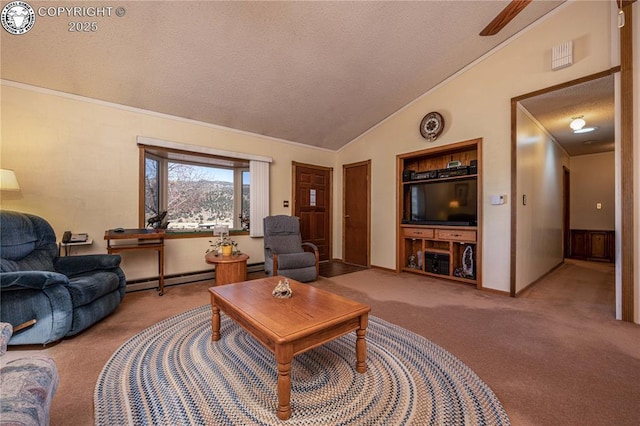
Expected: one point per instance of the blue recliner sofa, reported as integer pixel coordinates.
(65, 295)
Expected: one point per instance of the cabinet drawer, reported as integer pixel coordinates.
(418, 233)
(455, 235)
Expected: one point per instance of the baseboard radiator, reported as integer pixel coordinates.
(184, 278)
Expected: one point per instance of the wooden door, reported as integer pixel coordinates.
(356, 203)
(579, 244)
(599, 245)
(566, 212)
(312, 204)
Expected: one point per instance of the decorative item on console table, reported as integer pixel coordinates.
(159, 221)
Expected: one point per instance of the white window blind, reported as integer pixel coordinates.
(259, 196)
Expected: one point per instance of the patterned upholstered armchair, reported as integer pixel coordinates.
(284, 251)
(28, 384)
(64, 295)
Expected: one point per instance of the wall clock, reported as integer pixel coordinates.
(431, 126)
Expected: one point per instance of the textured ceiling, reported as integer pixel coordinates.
(593, 101)
(317, 73)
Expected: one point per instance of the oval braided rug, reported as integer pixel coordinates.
(173, 374)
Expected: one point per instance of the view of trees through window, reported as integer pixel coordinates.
(196, 196)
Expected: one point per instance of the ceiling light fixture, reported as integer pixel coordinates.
(577, 123)
(586, 129)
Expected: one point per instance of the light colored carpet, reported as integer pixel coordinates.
(555, 359)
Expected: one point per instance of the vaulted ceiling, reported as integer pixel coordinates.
(317, 73)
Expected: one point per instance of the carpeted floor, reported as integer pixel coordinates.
(550, 358)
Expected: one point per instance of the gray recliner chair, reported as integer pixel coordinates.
(284, 251)
(64, 295)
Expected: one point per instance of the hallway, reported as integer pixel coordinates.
(584, 286)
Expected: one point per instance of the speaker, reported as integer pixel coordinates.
(473, 167)
(437, 263)
(407, 175)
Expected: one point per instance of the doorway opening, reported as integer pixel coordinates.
(563, 183)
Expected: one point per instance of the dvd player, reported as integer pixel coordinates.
(453, 171)
(431, 174)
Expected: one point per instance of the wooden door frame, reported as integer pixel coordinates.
(566, 212)
(514, 160)
(294, 202)
(344, 167)
(626, 230)
(627, 215)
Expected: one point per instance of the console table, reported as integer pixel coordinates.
(146, 239)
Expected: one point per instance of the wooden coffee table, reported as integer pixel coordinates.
(287, 327)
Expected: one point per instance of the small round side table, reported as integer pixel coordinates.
(229, 269)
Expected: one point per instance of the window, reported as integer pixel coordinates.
(197, 191)
(200, 186)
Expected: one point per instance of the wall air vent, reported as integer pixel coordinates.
(562, 56)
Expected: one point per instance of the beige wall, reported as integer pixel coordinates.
(540, 222)
(77, 164)
(476, 103)
(592, 182)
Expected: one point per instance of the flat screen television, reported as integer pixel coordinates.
(451, 202)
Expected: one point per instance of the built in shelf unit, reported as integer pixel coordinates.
(446, 250)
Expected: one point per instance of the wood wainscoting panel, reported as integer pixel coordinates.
(591, 244)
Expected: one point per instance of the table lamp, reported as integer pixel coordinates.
(8, 180)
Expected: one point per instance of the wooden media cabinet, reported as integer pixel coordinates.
(439, 212)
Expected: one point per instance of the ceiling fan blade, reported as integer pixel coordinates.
(504, 17)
